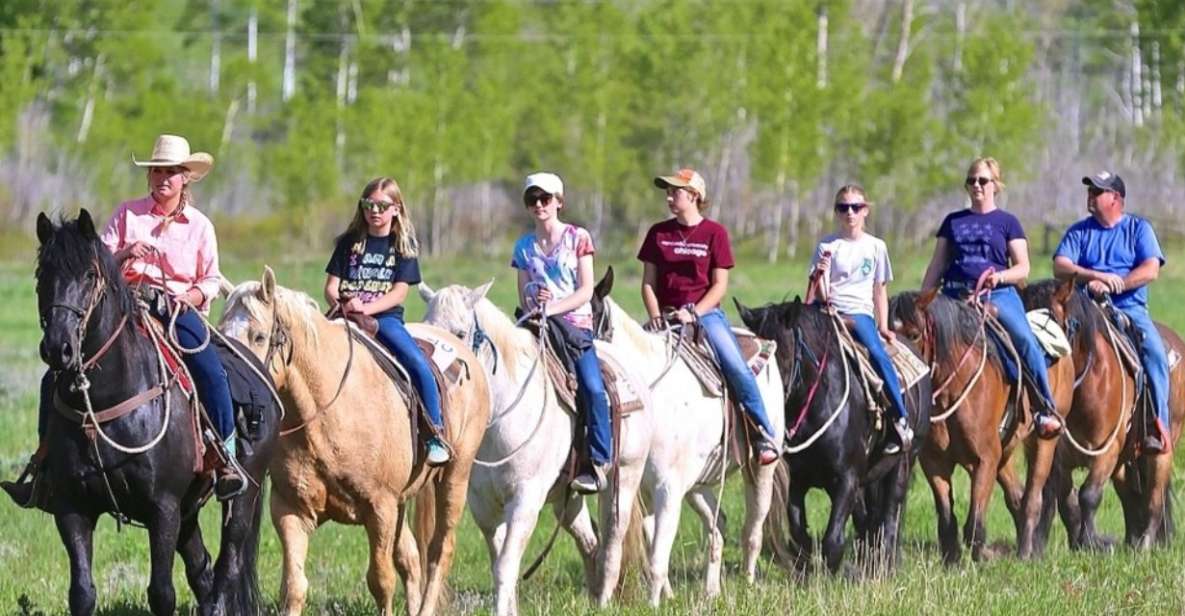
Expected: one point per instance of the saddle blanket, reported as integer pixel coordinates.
(699, 358)
(1051, 336)
(623, 396)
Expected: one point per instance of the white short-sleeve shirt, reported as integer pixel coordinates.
(856, 265)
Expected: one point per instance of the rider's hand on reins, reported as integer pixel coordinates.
(655, 324)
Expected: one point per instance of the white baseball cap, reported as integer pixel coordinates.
(549, 183)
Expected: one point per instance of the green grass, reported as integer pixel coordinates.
(33, 564)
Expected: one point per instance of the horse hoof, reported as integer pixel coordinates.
(1101, 543)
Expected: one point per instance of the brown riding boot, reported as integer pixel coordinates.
(1156, 441)
(28, 491)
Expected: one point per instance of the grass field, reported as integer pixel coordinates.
(34, 573)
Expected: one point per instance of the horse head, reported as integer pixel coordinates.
(603, 327)
(75, 273)
(907, 314)
(265, 317)
(454, 308)
(777, 322)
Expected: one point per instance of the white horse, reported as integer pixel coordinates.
(520, 464)
(686, 455)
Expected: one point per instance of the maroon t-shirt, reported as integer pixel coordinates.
(685, 258)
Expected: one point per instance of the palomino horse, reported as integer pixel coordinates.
(835, 445)
(522, 457)
(346, 452)
(980, 420)
(690, 451)
(1099, 426)
(138, 466)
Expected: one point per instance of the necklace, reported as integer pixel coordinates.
(683, 237)
(546, 244)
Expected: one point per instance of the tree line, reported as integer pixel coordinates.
(777, 102)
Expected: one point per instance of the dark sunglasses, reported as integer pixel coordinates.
(980, 181)
(855, 208)
(374, 206)
(531, 199)
(1095, 191)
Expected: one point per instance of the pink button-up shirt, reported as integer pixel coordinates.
(186, 254)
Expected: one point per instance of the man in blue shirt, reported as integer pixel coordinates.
(1117, 253)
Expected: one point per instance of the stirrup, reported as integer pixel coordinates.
(438, 452)
(591, 481)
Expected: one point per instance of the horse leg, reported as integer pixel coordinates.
(648, 522)
(1014, 494)
(407, 565)
(975, 534)
(236, 588)
(450, 506)
(197, 560)
(667, 509)
(758, 495)
(163, 529)
(1030, 541)
(522, 514)
(938, 472)
(77, 532)
(294, 531)
(704, 503)
(800, 537)
(382, 523)
(893, 494)
(1067, 504)
(843, 494)
(1154, 502)
(572, 513)
(1129, 500)
(612, 545)
(1089, 497)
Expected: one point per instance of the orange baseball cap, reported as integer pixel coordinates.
(684, 178)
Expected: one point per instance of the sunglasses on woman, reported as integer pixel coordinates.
(541, 198)
(375, 206)
(844, 208)
(981, 181)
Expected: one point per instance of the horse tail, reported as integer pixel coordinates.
(635, 561)
(777, 523)
(425, 528)
(247, 597)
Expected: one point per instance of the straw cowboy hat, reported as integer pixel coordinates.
(171, 150)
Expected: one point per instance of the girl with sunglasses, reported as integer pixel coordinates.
(373, 265)
(851, 269)
(555, 278)
(984, 238)
(685, 262)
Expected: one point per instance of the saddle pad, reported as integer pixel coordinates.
(441, 353)
(1174, 358)
(1049, 333)
(910, 367)
(756, 352)
(623, 398)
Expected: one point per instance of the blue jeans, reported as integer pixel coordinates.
(865, 333)
(394, 335)
(1154, 358)
(206, 368)
(736, 372)
(591, 389)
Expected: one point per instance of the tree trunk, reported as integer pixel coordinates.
(252, 54)
(215, 47)
(1136, 82)
(821, 49)
(903, 43)
(88, 110)
(289, 81)
(960, 33)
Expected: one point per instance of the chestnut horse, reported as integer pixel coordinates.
(1099, 428)
(980, 419)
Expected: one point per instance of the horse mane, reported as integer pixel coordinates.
(956, 324)
(1087, 321)
(293, 308)
(70, 252)
(510, 340)
(624, 324)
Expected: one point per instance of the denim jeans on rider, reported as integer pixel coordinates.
(865, 332)
(206, 367)
(1154, 358)
(396, 338)
(1011, 314)
(591, 389)
(736, 372)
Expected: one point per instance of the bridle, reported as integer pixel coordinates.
(97, 293)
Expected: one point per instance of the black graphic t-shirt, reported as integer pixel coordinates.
(372, 273)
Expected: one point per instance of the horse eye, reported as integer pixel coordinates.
(259, 338)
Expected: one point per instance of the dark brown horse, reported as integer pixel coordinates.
(1099, 428)
(979, 420)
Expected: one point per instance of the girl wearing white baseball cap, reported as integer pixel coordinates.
(555, 278)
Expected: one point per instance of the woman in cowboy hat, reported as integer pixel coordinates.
(168, 248)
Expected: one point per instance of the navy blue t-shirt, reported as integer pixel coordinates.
(1115, 250)
(370, 274)
(978, 242)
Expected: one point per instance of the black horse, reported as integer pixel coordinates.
(97, 348)
(846, 460)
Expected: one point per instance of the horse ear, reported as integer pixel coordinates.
(86, 225)
(426, 292)
(926, 298)
(267, 287)
(478, 293)
(225, 287)
(746, 314)
(44, 228)
(605, 285)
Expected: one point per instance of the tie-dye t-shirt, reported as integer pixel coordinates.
(556, 269)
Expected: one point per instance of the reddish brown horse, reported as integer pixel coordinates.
(979, 420)
(1099, 428)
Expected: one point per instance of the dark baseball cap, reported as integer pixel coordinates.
(1105, 180)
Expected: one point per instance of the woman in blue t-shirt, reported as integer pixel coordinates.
(981, 238)
(373, 264)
